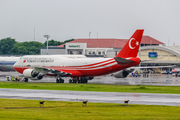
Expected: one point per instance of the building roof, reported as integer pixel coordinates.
(150, 40)
(111, 43)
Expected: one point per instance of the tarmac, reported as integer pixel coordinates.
(153, 79)
(105, 97)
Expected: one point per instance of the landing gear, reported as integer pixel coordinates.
(59, 80)
(25, 79)
(70, 80)
(76, 80)
(83, 80)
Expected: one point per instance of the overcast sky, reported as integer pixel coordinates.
(66, 19)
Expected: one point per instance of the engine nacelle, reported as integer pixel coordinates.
(34, 73)
(121, 74)
(39, 76)
(89, 78)
(30, 73)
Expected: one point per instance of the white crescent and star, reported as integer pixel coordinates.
(137, 43)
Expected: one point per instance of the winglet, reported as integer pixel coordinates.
(131, 48)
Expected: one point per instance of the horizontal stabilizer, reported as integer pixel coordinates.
(122, 60)
(170, 66)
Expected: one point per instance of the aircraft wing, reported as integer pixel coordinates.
(44, 71)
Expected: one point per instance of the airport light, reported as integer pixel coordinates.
(47, 36)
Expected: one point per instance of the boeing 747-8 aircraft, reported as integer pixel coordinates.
(80, 69)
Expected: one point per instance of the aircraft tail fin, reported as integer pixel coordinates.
(131, 48)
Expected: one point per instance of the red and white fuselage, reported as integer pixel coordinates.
(76, 66)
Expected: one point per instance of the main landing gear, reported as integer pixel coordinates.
(76, 80)
(59, 80)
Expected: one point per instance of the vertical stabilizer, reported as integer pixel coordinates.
(131, 48)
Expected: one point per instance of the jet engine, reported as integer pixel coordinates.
(39, 76)
(121, 74)
(30, 73)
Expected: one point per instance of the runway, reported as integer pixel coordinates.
(104, 97)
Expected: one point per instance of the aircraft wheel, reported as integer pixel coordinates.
(70, 80)
(57, 80)
(61, 81)
(74, 80)
(25, 79)
(85, 81)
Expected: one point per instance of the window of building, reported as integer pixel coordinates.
(89, 52)
(103, 52)
(99, 52)
(93, 52)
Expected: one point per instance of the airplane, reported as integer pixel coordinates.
(79, 69)
(6, 63)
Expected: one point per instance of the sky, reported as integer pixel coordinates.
(28, 20)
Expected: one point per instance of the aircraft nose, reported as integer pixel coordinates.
(17, 68)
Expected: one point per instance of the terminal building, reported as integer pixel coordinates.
(150, 49)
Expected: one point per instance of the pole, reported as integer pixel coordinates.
(47, 36)
(34, 33)
(47, 47)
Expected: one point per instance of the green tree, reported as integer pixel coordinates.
(6, 45)
(9, 46)
(56, 43)
(66, 41)
(27, 48)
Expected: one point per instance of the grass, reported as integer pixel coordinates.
(13, 109)
(93, 87)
